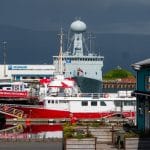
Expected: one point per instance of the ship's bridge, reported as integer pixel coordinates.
(81, 65)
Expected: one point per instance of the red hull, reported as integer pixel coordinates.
(31, 112)
(42, 113)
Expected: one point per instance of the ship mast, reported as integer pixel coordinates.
(90, 38)
(60, 53)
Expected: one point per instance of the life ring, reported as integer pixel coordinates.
(106, 95)
(78, 95)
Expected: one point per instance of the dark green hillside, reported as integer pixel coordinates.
(117, 73)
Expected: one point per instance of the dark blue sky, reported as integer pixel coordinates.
(106, 16)
(30, 27)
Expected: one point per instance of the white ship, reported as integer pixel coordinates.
(79, 62)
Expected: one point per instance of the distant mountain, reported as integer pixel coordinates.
(27, 46)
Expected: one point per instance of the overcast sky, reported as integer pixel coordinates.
(104, 16)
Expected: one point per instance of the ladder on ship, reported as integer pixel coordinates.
(9, 110)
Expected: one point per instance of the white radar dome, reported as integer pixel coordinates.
(78, 26)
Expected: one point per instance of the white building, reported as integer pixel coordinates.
(26, 72)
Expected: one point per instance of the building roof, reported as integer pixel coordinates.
(142, 93)
(141, 64)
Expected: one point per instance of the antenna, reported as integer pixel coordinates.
(68, 41)
(90, 38)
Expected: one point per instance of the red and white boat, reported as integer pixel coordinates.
(13, 90)
(17, 92)
(63, 100)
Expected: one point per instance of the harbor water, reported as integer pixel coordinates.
(31, 136)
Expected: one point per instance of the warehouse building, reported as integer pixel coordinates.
(25, 72)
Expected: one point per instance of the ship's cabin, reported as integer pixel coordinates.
(15, 86)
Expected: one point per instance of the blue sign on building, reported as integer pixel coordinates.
(17, 67)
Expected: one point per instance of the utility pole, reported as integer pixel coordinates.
(4, 57)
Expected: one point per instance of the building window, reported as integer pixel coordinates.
(93, 103)
(147, 83)
(84, 103)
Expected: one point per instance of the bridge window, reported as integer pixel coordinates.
(117, 103)
(62, 101)
(93, 103)
(129, 103)
(102, 103)
(4, 85)
(84, 103)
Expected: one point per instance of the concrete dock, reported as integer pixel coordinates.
(28, 145)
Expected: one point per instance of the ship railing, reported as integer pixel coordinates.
(33, 93)
(93, 95)
(104, 95)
